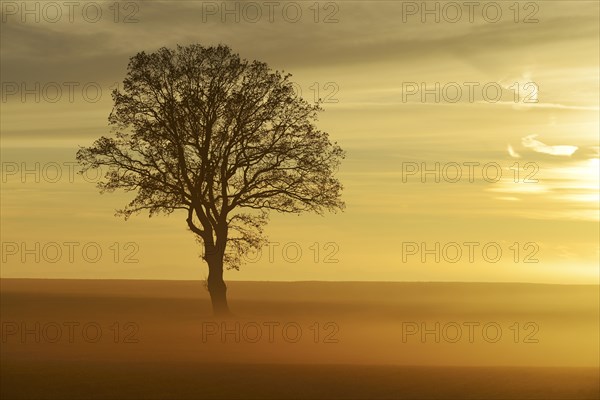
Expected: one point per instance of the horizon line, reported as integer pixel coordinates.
(302, 281)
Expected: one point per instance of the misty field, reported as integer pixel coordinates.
(157, 339)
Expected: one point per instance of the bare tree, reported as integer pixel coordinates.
(227, 140)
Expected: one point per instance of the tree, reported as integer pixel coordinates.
(226, 140)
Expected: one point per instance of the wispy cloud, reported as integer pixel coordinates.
(512, 152)
(540, 147)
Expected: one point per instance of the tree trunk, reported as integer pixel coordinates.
(217, 287)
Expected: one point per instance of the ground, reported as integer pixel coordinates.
(305, 340)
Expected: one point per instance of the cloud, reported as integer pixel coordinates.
(512, 152)
(539, 147)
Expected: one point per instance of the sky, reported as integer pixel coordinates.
(472, 138)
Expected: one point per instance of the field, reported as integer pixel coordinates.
(306, 340)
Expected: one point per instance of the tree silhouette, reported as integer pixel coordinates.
(227, 140)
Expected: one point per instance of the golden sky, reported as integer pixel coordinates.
(377, 64)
